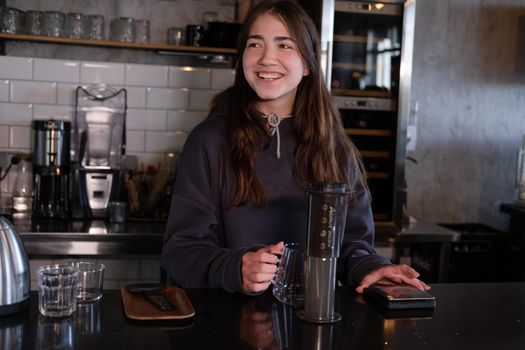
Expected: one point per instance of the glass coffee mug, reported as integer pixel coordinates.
(289, 283)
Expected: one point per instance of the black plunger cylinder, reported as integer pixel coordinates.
(327, 205)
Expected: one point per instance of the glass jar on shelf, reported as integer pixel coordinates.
(23, 187)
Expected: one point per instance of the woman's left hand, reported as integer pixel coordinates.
(395, 273)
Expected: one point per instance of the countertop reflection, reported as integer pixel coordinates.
(467, 316)
(44, 237)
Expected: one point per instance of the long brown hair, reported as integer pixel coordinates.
(324, 152)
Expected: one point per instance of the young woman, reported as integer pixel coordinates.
(240, 189)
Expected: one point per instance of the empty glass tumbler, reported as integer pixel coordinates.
(53, 23)
(23, 189)
(11, 20)
(33, 21)
(57, 290)
(90, 280)
(142, 31)
(95, 27)
(122, 29)
(75, 25)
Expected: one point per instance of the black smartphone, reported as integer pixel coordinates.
(399, 296)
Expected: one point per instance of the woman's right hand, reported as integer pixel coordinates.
(258, 268)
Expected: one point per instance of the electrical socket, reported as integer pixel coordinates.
(5, 159)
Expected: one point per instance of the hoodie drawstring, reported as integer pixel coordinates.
(273, 123)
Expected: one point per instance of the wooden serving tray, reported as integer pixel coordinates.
(137, 307)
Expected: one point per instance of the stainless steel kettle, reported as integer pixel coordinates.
(14, 271)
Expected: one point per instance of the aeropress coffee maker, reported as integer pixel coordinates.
(327, 204)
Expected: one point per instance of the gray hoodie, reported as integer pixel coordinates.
(205, 239)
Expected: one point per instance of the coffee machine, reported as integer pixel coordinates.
(99, 140)
(51, 168)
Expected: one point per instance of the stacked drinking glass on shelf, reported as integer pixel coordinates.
(128, 29)
(51, 23)
(11, 20)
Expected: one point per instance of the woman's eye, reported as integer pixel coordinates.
(287, 46)
(252, 44)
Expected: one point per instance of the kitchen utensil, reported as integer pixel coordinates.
(138, 308)
(95, 27)
(327, 204)
(57, 290)
(23, 188)
(99, 148)
(11, 20)
(288, 284)
(33, 21)
(117, 212)
(90, 280)
(14, 271)
(153, 292)
(221, 34)
(194, 34)
(142, 31)
(53, 23)
(75, 25)
(175, 36)
(51, 165)
(122, 29)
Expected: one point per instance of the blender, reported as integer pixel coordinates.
(98, 148)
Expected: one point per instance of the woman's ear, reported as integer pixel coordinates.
(306, 71)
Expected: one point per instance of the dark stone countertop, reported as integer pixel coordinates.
(467, 316)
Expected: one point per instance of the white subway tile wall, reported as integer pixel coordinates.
(33, 92)
(16, 113)
(167, 98)
(20, 137)
(145, 75)
(4, 136)
(190, 77)
(16, 68)
(101, 73)
(4, 90)
(56, 70)
(164, 102)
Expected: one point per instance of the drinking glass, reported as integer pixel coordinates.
(90, 280)
(34, 22)
(117, 212)
(95, 27)
(142, 31)
(57, 290)
(122, 29)
(53, 23)
(288, 284)
(75, 25)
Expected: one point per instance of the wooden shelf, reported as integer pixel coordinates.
(377, 175)
(356, 39)
(361, 93)
(118, 44)
(369, 132)
(380, 216)
(375, 154)
(352, 66)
